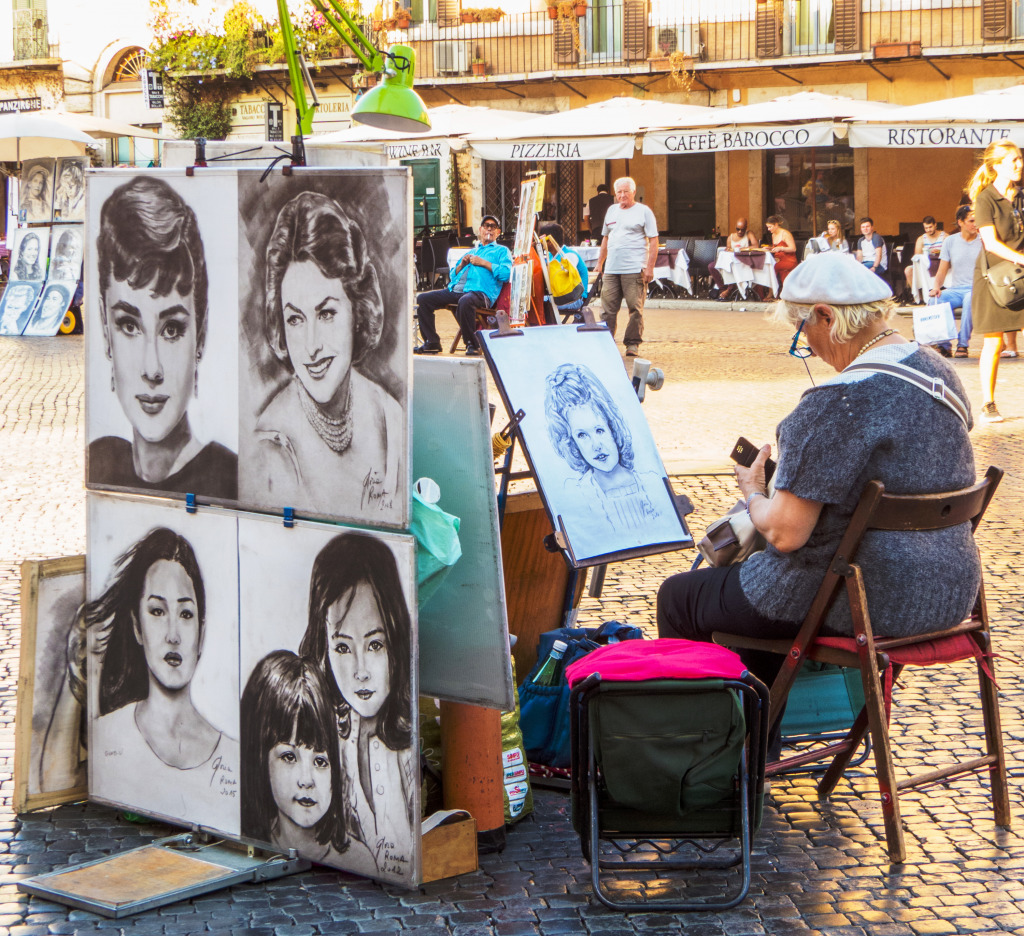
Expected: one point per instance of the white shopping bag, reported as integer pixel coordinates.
(934, 323)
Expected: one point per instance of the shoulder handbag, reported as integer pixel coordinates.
(734, 537)
(1005, 282)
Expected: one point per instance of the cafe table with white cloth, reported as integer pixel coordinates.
(922, 280)
(742, 270)
(673, 264)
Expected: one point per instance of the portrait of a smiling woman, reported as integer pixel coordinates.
(329, 432)
(154, 302)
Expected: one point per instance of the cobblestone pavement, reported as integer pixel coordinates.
(818, 867)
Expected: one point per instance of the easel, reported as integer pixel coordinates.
(549, 582)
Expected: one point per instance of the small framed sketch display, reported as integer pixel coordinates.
(162, 623)
(587, 442)
(35, 205)
(330, 762)
(264, 364)
(69, 189)
(50, 739)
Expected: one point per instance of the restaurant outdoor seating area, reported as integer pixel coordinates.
(681, 270)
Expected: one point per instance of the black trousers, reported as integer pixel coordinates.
(693, 605)
(465, 314)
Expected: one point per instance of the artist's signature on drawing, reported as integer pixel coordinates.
(222, 777)
(374, 493)
(390, 860)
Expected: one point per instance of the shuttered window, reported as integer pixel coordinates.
(634, 30)
(449, 12)
(565, 35)
(768, 29)
(846, 15)
(995, 19)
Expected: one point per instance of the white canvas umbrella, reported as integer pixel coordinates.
(31, 136)
(805, 106)
(99, 128)
(969, 122)
(448, 123)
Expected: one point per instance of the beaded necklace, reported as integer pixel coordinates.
(875, 340)
(336, 433)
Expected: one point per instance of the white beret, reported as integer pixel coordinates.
(833, 278)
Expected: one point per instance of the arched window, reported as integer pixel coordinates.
(129, 66)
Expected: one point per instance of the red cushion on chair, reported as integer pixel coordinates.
(927, 653)
(664, 658)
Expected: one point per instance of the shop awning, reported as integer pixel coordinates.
(972, 121)
(743, 137)
(792, 121)
(605, 130)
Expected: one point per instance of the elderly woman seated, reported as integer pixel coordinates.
(854, 428)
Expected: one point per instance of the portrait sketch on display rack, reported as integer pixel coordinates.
(50, 744)
(587, 441)
(50, 310)
(525, 220)
(327, 301)
(522, 290)
(69, 189)
(16, 306)
(328, 721)
(162, 625)
(28, 258)
(161, 342)
(35, 202)
(66, 253)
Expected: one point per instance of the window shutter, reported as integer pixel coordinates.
(564, 33)
(449, 12)
(768, 30)
(634, 30)
(995, 19)
(846, 15)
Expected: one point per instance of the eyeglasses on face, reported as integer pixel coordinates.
(489, 224)
(797, 349)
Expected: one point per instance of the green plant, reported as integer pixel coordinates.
(196, 109)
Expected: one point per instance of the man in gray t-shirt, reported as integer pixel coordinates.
(959, 251)
(626, 262)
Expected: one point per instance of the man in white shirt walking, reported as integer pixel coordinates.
(629, 250)
(959, 251)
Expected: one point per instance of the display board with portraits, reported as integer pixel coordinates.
(587, 442)
(302, 735)
(264, 363)
(50, 739)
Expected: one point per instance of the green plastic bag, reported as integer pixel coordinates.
(437, 539)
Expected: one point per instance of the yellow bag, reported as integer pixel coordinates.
(566, 284)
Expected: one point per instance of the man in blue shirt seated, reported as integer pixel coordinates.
(474, 284)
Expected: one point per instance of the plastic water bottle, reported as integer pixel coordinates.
(547, 675)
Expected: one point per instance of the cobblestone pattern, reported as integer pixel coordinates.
(818, 867)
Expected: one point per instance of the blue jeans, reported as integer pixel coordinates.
(959, 297)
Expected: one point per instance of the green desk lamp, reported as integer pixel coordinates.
(392, 105)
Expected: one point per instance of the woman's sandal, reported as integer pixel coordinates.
(1009, 354)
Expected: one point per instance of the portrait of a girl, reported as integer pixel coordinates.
(359, 637)
(294, 793)
(587, 430)
(154, 310)
(149, 741)
(36, 203)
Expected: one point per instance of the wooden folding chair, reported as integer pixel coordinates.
(486, 318)
(881, 659)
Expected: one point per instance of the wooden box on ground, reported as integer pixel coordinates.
(450, 849)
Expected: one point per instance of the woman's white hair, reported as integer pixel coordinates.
(847, 320)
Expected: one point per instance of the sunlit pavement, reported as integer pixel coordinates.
(818, 867)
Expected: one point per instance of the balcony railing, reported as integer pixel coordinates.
(641, 35)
